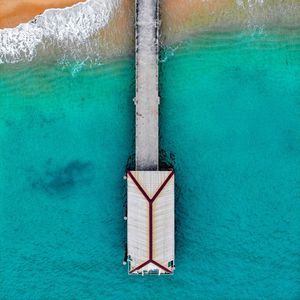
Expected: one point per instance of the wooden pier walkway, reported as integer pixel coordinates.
(147, 96)
(150, 192)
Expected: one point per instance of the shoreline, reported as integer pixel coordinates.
(114, 37)
(182, 20)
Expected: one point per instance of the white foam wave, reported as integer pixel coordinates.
(249, 3)
(56, 31)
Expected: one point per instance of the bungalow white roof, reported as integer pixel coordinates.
(150, 222)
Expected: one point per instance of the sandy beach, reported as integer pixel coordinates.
(176, 15)
(14, 12)
(182, 18)
(179, 19)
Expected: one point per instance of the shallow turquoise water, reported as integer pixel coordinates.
(230, 124)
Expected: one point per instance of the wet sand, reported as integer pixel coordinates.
(179, 18)
(176, 15)
(14, 12)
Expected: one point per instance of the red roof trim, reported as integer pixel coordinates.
(139, 186)
(161, 266)
(140, 266)
(162, 186)
(149, 262)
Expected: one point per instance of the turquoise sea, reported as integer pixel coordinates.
(230, 126)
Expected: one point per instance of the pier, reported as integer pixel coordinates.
(150, 191)
(147, 98)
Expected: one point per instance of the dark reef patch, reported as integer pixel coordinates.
(41, 120)
(65, 179)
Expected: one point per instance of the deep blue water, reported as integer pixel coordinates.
(230, 125)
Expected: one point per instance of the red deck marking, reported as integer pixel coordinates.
(162, 186)
(150, 231)
(144, 192)
(151, 200)
(148, 262)
(139, 186)
(140, 266)
(161, 266)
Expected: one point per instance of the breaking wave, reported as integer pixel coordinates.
(249, 3)
(75, 33)
(63, 32)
